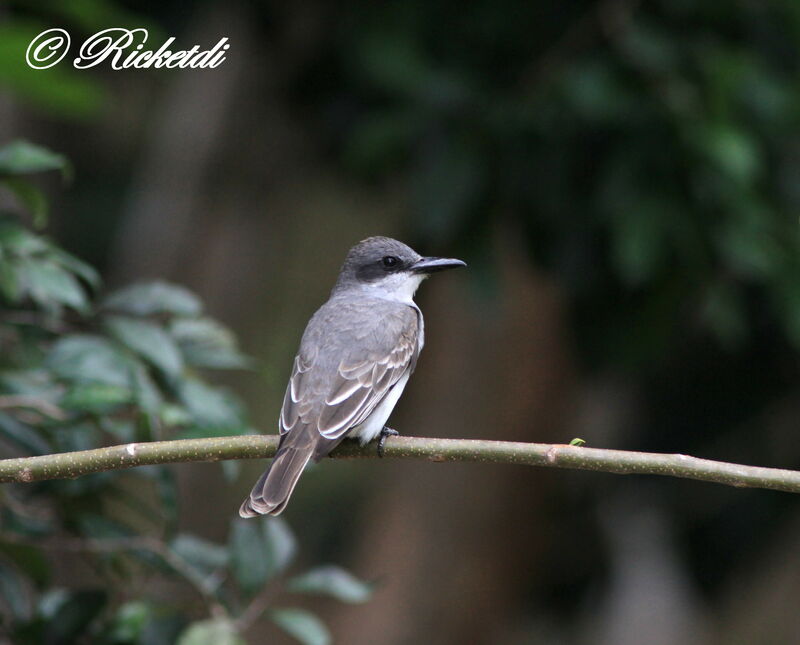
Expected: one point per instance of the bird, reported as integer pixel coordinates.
(355, 358)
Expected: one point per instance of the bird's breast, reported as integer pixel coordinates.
(371, 427)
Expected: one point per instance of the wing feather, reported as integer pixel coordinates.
(373, 382)
(345, 390)
(356, 370)
(334, 395)
(379, 371)
(335, 420)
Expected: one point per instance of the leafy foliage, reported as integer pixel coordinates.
(301, 624)
(332, 581)
(76, 375)
(644, 156)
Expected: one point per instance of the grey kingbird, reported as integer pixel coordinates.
(355, 358)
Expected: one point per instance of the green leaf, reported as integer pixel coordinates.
(149, 341)
(733, 150)
(30, 196)
(577, 441)
(216, 631)
(87, 358)
(96, 397)
(207, 343)
(332, 581)
(260, 550)
(50, 285)
(10, 285)
(145, 391)
(175, 415)
(74, 265)
(154, 298)
(129, 622)
(19, 241)
(22, 156)
(209, 406)
(202, 554)
(248, 555)
(303, 625)
(51, 600)
(281, 544)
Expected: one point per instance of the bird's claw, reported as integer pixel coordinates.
(385, 432)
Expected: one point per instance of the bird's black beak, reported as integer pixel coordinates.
(431, 265)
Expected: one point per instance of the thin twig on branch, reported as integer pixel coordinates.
(75, 464)
(33, 403)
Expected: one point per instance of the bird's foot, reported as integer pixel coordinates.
(385, 432)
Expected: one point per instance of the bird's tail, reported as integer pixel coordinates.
(273, 489)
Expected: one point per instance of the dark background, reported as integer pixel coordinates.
(622, 179)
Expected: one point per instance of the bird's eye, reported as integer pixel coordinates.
(390, 262)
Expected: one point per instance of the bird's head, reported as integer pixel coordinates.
(388, 268)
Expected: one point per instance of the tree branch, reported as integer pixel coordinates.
(75, 464)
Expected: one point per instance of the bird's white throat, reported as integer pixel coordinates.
(398, 287)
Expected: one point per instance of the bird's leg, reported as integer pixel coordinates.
(385, 432)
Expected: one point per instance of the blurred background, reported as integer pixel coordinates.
(623, 179)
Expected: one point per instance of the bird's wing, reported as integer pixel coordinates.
(333, 394)
(298, 400)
